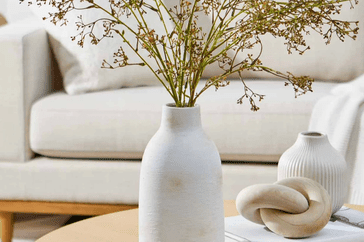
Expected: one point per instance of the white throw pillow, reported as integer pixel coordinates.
(81, 67)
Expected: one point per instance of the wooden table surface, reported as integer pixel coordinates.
(120, 226)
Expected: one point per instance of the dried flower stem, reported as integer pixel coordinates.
(182, 53)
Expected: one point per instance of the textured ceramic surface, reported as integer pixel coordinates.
(295, 207)
(180, 195)
(312, 156)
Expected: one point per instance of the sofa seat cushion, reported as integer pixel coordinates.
(112, 182)
(119, 123)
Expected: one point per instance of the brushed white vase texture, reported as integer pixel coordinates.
(180, 193)
(312, 156)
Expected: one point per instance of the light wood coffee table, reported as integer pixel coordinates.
(119, 226)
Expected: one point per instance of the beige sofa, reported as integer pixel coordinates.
(80, 154)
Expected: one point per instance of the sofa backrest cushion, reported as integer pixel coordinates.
(81, 70)
(336, 62)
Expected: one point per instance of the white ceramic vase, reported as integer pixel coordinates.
(180, 194)
(312, 156)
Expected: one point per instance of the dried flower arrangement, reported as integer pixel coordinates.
(184, 50)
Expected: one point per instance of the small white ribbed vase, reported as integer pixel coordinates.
(180, 193)
(312, 156)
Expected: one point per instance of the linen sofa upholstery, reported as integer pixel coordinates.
(25, 77)
(55, 179)
(91, 126)
(119, 123)
(89, 129)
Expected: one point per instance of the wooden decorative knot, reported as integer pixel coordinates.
(293, 207)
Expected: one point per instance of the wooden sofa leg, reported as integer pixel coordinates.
(7, 224)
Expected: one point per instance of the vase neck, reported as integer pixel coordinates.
(181, 118)
(312, 138)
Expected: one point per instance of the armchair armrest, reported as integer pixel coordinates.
(25, 62)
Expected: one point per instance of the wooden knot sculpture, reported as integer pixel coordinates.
(293, 207)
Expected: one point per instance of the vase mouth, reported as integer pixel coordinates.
(173, 105)
(313, 134)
